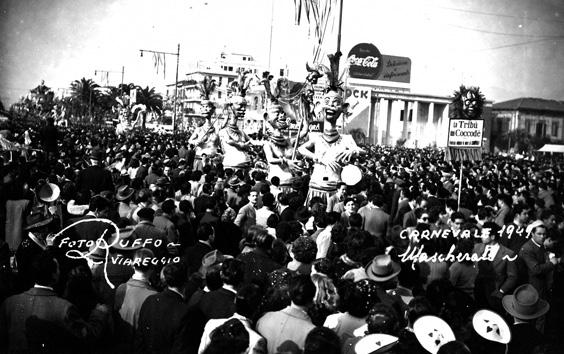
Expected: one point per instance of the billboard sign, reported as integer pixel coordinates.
(465, 133)
(396, 69)
(365, 61)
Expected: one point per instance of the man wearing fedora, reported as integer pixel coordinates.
(525, 306)
(95, 178)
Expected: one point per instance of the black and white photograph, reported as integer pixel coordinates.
(282, 176)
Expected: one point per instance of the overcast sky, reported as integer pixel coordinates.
(510, 48)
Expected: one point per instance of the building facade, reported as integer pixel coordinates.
(538, 117)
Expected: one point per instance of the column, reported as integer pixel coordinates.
(430, 128)
(444, 127)
(405, 119)
(415, 128)
(389, 120)
(373, 124)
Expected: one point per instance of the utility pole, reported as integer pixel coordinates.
(175, 83)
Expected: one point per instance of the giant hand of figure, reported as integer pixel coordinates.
(344, 156)
(294, 165)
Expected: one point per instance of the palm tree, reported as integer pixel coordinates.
(151, 100)
(84, 95)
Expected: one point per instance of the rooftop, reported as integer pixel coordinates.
(531, 104)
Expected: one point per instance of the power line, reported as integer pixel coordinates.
(498, 14)
(506, 34)
(517, 44)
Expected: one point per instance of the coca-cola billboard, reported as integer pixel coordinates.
(365, 61)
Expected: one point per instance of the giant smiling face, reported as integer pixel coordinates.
(332, 106)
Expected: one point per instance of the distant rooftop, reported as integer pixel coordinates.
(530, 104)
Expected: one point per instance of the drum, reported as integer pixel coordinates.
(351, 175)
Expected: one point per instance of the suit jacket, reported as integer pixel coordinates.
(285, 330)
(287, 214)
(503, 272)
(375, 221)
(246, 217)
(403, 208)
(257, 344)
(409, 219)
(525, 339)
(194, 255)
(95, 179)
(501, 216)
(539, 269)
(45, 305)
(162, 324)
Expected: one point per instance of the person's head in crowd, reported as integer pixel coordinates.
(295, 201)
(361, 298)
(355, 220)
(421, 201)
(464, 247)
(229, 338)
(341, 190)
(356, 245)
(451, 206)
(262, 239)
(275, 181)
(304, 250)
(99, 206)
(421, 215)
(351, 205)
(430, 189)
(457, 219)
(142, 261)
(418, 307)
(320, 220)
(79, 290)
(484, 215)
(376, 200)
(538, 234)
(383, 319)
(168, 207)
(205, 232)
(548, 218)
(322, 340)
(317, 205)
(454, 347)
(213, 277)
(504, 201)
(185, 207)
(146, 214)
(268, 200)
(232, 272)
(323, 266)
(491, 236)
(520, 214)
(253, 197)
(283, 199)
(247, 299)
(174, 275)
(264, 189)
(301, 289)
(144, 196)
(303, 214)
(272, 221)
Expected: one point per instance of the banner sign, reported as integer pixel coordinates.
(314, 127)
(465, 133)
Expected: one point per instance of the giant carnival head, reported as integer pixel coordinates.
(238, 89)
(468, 103)
(277, 117)
(206, 87)
(333, 104)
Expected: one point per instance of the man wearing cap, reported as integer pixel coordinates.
(94, 179)
(525, 306)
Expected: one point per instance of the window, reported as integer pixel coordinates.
(230, 68)
(244, 58)
(554, 131)
(281, 72)
(401, 115)
(410, 115)
(528, 126)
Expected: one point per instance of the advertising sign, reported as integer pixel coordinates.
(465, 133)
(314, 127)
(365, 61)
(396, 69)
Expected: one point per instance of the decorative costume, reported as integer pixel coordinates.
(234, 142)
(330, 151)
(204, 137)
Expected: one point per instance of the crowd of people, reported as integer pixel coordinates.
(223, 260)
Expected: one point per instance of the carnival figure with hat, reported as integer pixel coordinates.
(234, 142)
(280, 149)
(205, 137)
(330, 151)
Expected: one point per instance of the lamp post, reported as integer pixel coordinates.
(175, 83)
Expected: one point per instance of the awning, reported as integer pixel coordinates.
(552, 148)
